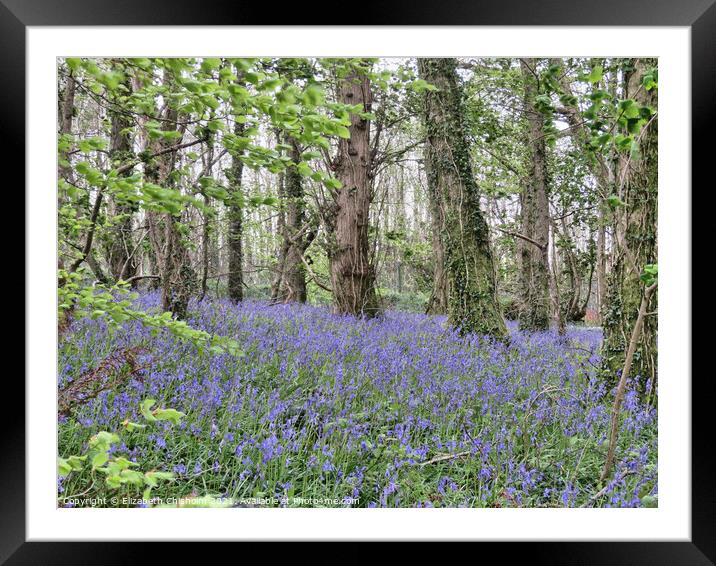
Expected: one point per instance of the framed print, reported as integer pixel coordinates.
(383, 279)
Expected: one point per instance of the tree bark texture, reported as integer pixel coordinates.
(635, 243)
(292, 276)
(472, 301)
(178, 279)
(534, 259)
(236, 225)
(122, 264)
(352, 274)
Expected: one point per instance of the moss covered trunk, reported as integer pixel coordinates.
(534, 277)
(635, 226)
(438, 303)
(470, 275)
(292, 277)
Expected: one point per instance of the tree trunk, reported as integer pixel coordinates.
(553, 284)
(206, 219)
(122, 265)
(292, 283)
(534, 259)
(67, 107)
(352, 275)
(400, 218)
(277, 282)
(601, 169)
(635, 243)
(178, 280)
(470, 273)
(439, 298)
(64, 126)
(601, 263)
(236, 225)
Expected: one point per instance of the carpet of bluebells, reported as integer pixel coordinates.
(399, 411)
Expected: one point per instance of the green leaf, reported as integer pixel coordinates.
(131, 427)
(343, 132)
(650, 274)
(420, 85)
(308, 155)
(144, 408)
(121, 463)
(270, 84)
(623, 142)
(215, 125)
(152, 478)
(333, 183)
(313, 95)
(650, 80)
(73, 63)
(596, 75)
(649, 501)
(629, 109)
(103, 440)
(614, 201)
(63, 468)
(99, 460)
(132, 476)
(76, 462)
(210, 64)
(171, 415)
(304, 169)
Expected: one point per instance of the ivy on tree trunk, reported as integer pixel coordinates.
(635, 226)
(470, 274)
(534, 277)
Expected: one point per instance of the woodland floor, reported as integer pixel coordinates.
(399, 411)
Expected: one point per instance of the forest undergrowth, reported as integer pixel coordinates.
(331, 410)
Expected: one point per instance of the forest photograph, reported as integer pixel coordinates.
(357, 282)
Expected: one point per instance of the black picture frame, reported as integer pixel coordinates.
(699, 15)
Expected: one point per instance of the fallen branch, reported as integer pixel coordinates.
(444, 457)
(112, 372)
(138, 277)
(602, 491)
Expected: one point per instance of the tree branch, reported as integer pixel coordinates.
(127, 166)
(619, 396)
(523, 237)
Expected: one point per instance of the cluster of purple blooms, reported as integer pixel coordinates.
(395, 411)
